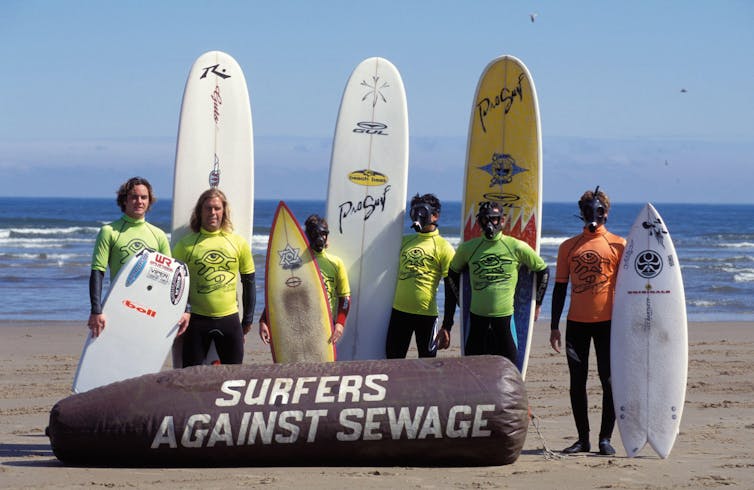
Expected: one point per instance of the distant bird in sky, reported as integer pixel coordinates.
(683, 90)
(533, 16)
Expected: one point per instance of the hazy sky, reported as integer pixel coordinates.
(652, 100)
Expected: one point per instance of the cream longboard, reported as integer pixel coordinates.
(214, 149)
(366, 200)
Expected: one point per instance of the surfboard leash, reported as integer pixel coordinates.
(547, 453)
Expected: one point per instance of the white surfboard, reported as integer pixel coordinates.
(142, 309)
(366, 200)
(214, 148)
(649, 338)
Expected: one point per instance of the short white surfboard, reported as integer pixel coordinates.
(142, 309)
(649, 338)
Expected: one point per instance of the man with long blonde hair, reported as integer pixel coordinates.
(217, 260)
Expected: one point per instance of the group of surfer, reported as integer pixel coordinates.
(218, 259)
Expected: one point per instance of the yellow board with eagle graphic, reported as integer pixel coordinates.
(298, 310)
(504, 164)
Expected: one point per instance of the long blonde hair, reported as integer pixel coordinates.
(196, 216)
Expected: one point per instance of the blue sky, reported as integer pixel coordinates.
(90, 91)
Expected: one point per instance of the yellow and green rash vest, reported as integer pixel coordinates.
(118, 241)
(334, 275)
(424, 260)
(493, 271)
(215, 262)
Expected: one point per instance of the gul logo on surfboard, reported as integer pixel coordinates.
(371, 128)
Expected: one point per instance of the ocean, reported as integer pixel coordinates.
(46, 246)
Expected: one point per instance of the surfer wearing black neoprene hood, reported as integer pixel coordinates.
(333, 273)
(424, 260)
(492, 262)
(589, 261)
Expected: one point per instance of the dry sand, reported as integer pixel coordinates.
(714, 449)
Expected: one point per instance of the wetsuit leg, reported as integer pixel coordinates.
(424, 328)
(229, 339)
(196, 340)
(578, 340)
(501, 342)
(399, 333)
(601, 337)
(479, 327)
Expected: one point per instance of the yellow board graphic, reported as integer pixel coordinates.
(504, 164)
(298, 311)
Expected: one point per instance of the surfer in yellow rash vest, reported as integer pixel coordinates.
(217, 260)
(590, 262)
(120, 240)
(334, 275)
(492, 261)
(424, 260)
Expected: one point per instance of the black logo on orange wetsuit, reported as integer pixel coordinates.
(490, 269)
(215, 271)
(588, 271)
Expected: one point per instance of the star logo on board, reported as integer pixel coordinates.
(375, 90)
(290, 257)
(502, 168)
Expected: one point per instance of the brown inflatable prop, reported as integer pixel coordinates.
(458, 411)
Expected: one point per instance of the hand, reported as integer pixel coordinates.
(264, 332)
(555, 340)
(536, 312)
(337, 333)
(443, 339)
(96, 324)
(183, 323)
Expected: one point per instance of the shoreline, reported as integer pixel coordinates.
(38, 360)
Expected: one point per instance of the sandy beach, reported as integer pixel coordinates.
(714, 448)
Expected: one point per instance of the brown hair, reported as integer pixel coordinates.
(601, 196)
(127, 186)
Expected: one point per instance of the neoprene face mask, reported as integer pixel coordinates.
(317, 236)
(593, 212)
(490, 219)
(421, 215)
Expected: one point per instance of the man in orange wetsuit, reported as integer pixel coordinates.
(590, 262)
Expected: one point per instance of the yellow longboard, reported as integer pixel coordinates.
(298, 311)
(504, 164)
